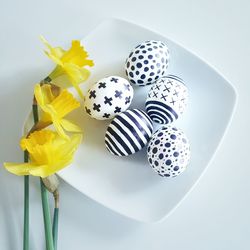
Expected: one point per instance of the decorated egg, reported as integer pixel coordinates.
(128, 133)
(108, 97)
(147, 62)
(167, 99)
(168, 151)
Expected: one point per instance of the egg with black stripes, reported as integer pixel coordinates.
(167, 99)
(128, 132)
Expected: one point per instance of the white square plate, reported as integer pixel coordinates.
(128, 185)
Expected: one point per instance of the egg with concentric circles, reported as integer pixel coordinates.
(167, 99)
(147, 62)
(168, 151)
(108, 97)
(128, 132)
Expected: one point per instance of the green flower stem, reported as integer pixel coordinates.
(46, 217)
(55, 226)
(44, 195)
(35, 111)
(26, 207)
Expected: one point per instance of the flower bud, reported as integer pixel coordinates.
(51, 183)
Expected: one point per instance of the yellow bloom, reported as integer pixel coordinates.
(56, 107)
(48, 153)
(70, 62)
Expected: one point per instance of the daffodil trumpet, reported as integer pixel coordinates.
(71, 63)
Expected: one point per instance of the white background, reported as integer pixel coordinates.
(216, 214)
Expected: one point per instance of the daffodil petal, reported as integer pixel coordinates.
(70, 147)
(38, 94)
(56, 51)
(77, 55)
(69, 126)
(45, 42)
(19, 168)
(75, 75)
(59, 129)
(42, 171)
(85, 74)
(64, 103)
(54, 58)
(43, 94)
(60, 165)
(36, 138)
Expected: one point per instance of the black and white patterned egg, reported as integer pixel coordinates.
(108, 97)
(167, 99)
(128, 132)
(169, 151)
(147, 62)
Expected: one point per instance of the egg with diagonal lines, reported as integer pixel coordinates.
(128, 132)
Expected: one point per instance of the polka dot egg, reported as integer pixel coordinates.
(168, 151)
(108, 97)
(167, 99)
(128, 133)
(147, 63)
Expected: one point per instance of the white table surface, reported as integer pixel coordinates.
(216, 214)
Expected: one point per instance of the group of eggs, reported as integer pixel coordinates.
(130, 130)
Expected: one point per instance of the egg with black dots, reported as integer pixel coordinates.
(147, 62)
(167, 99)
(108, 97)
(168, 151)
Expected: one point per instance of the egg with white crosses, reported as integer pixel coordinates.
(168, 151)
(128, 132)
(108, 97)
(167, 99)
(147, 62)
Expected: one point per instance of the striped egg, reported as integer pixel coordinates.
(167, 99)
(128, 132)
(169, 151)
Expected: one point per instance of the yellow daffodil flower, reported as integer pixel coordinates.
(48, 153)
(71, 63)
(55, 108)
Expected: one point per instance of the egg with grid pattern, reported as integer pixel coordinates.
(128, 132)
(147, 62)
(108, 97)
(169, 151)
(167, 99)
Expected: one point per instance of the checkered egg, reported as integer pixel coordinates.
(167, 99)
(108, 97)
(168, 151)
(147, 62)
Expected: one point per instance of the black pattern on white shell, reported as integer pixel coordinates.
(168, 151)
(128, 133)
(147, 63)
(167, 99)
(108, 97)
